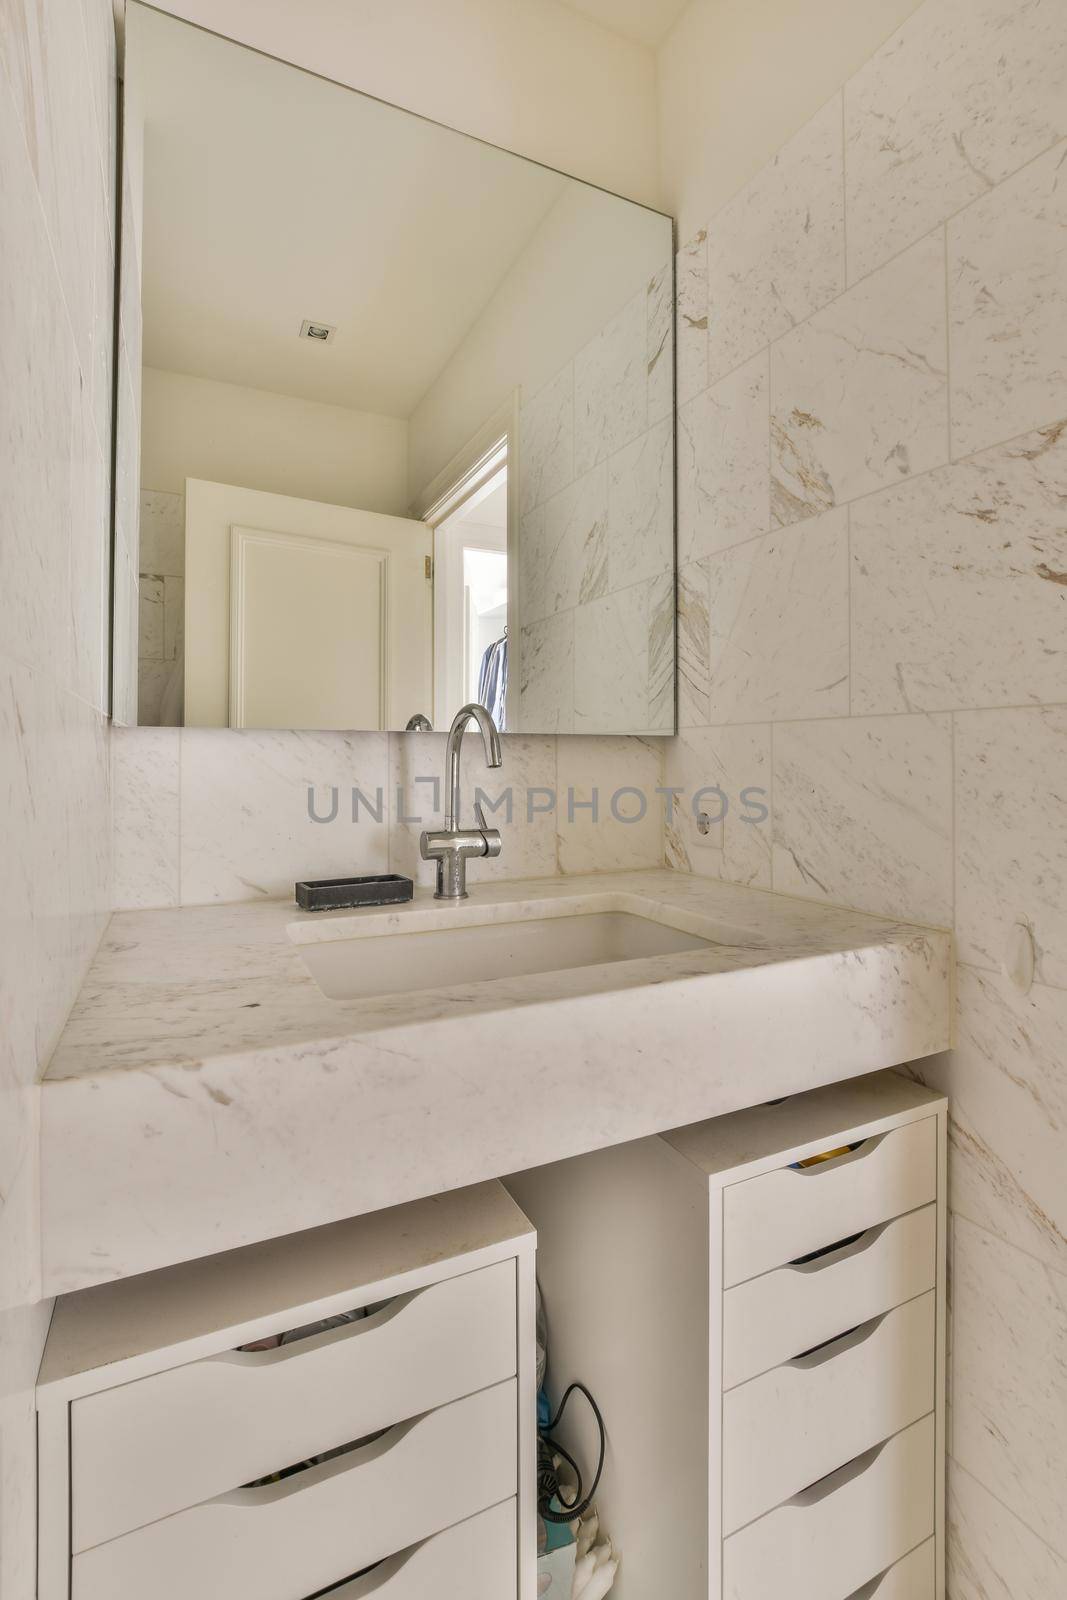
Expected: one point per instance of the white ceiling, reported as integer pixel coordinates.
(644, 21)
(272, 196)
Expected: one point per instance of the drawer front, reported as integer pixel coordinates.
(782, 1215)
(914, 1578)
(476, 1560)
(318, 1527)
(150, 1448)
(833, 1538)
(771, 1318)
(800, 1421)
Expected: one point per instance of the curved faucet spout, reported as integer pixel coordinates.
(490, 741)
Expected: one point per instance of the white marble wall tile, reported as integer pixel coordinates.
(693, 645)
(737, 763)
(692, 334)
(245, 829)
(611, 387)
(1008, 1095)
(515, 798)
(659, 348)
(640, 542)
(863, 814)
(776, 251)
(153, 679)
(173, 618)
(961, 96)
(150, 619)
(36, 390)
(546, 675)
(723, 466)
(162, 533)
(531, 599)
(778, 624)
(1011, 839)
(611, 639)
(575, 542)
(89, 580)
(662, 653)
(1010, 1377)
(146, 817)
(1007, 273)
(992, 1555)
(546, 440)
(859, 394)
(958, 597)
(627, 830)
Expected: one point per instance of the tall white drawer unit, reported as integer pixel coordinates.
(758, 1304)
(389, 1455)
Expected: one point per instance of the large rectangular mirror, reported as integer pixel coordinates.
(396, 430)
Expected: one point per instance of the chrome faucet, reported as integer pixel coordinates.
(452, 846)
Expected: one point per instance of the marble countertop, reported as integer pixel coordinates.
(206, 1094)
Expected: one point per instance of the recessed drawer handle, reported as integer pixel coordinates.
(269, 1494)
(367, 1584)
(837, 1479)
(253, 1359)
(865, 1148)
(847, 1250)
(836, 1347)
(870, 1589)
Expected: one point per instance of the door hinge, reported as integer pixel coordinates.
(429, 567)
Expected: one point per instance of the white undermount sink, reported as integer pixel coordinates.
(393, 962)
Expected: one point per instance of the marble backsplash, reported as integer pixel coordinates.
(872, 371)
(57, 157)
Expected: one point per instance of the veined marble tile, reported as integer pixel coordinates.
(640, 541)
(514, 798)
(778, 624)
(776, 251)
(546, 434)
(1011, 843)
(662, 653)
(863, 814)
(626, 828)
(36, 390)
(173, 618)
(961, 96)
(611, 639)
(692, 335)
(162, 533)
(991, 1554)
(150, 614)
(726, 774)
(659, 348)
(246, 832)
(153, 679)
(1007, 274)
(1010, 1377)
(611, 387)
(546, 675)
(145, 816)
(90, 552)
(723, 463)
(533, 569)
(958, 590)
(1008, 1096)
(694, 645)
(576, 541)
(859, 393)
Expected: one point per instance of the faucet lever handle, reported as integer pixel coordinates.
(490, 835)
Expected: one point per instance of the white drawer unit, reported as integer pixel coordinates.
(391, 1451)
(762, 1319)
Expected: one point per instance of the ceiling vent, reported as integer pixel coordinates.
(321, 332)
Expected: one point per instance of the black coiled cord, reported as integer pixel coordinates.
(547, 1479)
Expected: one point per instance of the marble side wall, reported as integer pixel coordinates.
(594, 595)
(872, 351)
(57, 158)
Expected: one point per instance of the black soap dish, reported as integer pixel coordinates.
(337, 894)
